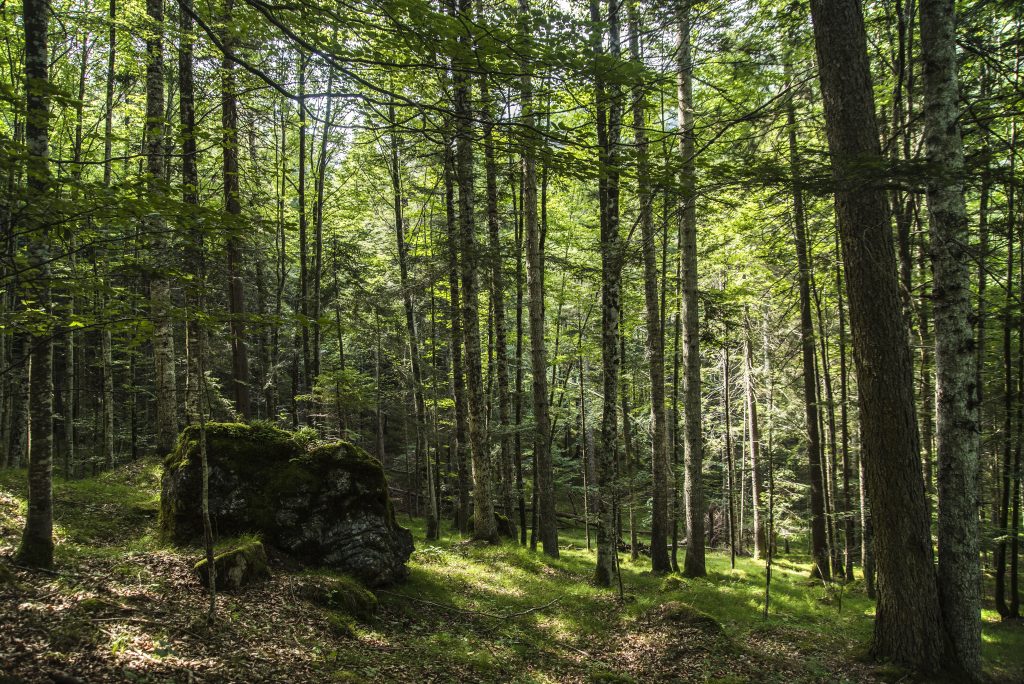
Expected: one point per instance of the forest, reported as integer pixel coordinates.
(533, 341)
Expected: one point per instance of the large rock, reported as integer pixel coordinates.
(326, 506)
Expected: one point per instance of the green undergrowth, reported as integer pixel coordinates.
(478, 612)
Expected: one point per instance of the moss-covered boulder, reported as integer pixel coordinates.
(236, 568)
(327, 506)
(340, 593)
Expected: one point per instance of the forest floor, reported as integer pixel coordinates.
(122, 606)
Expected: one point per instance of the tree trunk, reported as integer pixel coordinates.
(609, 108)
(233, 209)
(753, 438)
(505, 463)
(959, 569)
(461, 436)
(660, 561)
(518, 401)
(844, 424)
(730, 463)
(547, 520)
(819, 534)
(908, 623)
(155, 226)
(410, 325)
(693, 449)
(36, 547)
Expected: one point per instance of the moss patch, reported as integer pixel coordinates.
(339, 593)
(236, 568)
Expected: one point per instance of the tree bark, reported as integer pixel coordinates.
(908, 623)
(155, 226)
(36, 547)
(547, 521)
(693, 449)
(753, 437)
(505, 462)
(233, 209)
(609, 108)
(419, 405)
(819, 534)
(660, 562)
(959, 569)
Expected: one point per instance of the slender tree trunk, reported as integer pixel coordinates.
(155, 227)
(753, 438)
(410, 325)
(483, 503)
(693, 450)
(518, 401)
(844, 424)
(461, 437)
(908, 623)
(545, 486)
(233, 209)
(505, 462)
(1008, 392)
(608, 101)
(819, 533)
(729, 459)
(660, 561)
(318, 226)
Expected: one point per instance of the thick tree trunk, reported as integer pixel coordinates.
(693, 449)
(955, 361)
(36, 547)
(908, 623)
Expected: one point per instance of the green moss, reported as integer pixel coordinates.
(339, 593)
(236, 568)
(286, 465)
(341, 624)
(685, 615)
(672, 583)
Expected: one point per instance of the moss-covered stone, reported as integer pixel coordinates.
(236, 568)
(328, 505)
(342, 593)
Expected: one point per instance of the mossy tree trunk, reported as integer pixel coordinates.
(955, 361)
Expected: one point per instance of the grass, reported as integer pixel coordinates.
(468, 612)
